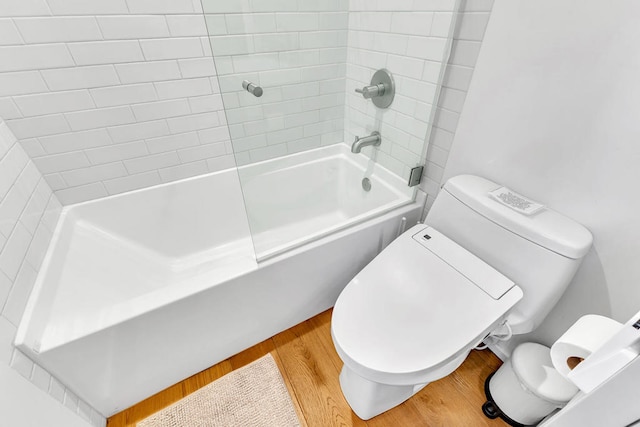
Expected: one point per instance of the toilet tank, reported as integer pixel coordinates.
(539, 252)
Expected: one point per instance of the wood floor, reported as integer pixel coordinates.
(310, 367)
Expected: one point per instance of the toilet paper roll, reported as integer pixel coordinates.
(580, 340)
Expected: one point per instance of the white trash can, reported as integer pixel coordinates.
(526, 388)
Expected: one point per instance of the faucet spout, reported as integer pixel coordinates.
(374, 139)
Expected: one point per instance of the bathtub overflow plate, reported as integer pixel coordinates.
(366, 184)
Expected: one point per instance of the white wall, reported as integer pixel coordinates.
(296, 52)
(28, 215)
(108, 96)
(471, 23)
(552, 112)
(410, 40)
(23, 405)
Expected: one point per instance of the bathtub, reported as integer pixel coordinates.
(141, 290)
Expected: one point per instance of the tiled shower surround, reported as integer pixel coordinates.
(410, 40)
(467, 39)
(294, 50)
(28, 215)
(108, 96)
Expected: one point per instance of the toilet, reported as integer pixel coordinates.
(476, 266)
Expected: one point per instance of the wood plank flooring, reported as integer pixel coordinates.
(310, 366)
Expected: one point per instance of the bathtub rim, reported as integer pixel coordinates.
(369, 167)
(27, 339)
(29, 317)
(343, 148)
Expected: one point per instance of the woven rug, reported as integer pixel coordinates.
(252, 396)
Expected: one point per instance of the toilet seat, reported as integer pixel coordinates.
(417, 308)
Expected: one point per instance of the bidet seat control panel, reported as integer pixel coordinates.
(487, 278)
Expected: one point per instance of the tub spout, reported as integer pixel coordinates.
(373, 139)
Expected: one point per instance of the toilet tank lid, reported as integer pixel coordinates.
(546, 228)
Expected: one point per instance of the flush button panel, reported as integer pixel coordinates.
(490, 280)
(515, 201)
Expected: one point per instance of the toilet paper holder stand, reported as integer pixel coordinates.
(608, 359)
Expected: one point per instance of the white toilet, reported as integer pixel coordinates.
(413, 314)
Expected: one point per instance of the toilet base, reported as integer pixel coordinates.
(368, 398)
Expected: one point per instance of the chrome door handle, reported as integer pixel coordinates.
(253, 89)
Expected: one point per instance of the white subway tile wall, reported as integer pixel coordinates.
(96, 90)
(469, 32)
(29, 212)
(140, 72)
(409, 38)
(294, 50)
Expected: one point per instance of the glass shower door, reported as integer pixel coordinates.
(287, 72)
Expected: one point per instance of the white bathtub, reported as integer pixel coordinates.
(317, 192)
(141, 290)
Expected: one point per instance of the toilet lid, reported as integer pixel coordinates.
(533, 366)
(410, 312)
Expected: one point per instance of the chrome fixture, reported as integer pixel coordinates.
(253, 89)
(373, 139)
(382, 89)
(371, 91)
(366, 184)
(415, 176)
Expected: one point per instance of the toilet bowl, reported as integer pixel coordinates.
(412, 316)
(479, 262)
